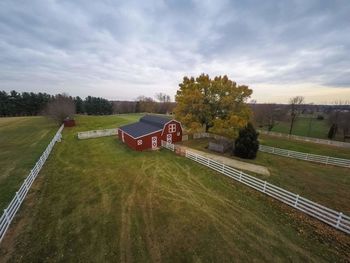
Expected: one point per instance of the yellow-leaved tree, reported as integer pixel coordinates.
(216, 105)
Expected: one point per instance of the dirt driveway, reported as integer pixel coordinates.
(232, 162)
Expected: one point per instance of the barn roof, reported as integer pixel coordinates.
(158, 121)
(147, 124)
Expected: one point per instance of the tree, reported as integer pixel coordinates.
(161, 97)
(97, 106)
(164, 103)
(217, 105)
(295, 110)
(332, 131)
(267, 115)
(146, 104)
(79, 105)
(60, 108)
(247, 144)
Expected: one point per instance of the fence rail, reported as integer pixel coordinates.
(329, 216)
(307, 139)
(12, 208)
(97, 133)
(306, 156)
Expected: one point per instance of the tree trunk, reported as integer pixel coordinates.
(291, 125)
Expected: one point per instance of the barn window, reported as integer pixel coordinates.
(139, 142)
(172, 128)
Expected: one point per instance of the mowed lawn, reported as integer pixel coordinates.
(98, 201)
(22, 141)
(327, 185)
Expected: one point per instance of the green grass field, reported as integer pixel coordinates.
(22, 141)
(305, 147)
(98, 201)
(327, 185)
(305, 126)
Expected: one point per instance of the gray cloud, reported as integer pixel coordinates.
(120, 50)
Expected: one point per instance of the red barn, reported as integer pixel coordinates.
(149, 132)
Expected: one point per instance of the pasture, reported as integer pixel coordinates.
(305, 126)
(22, 141)
(327, 185)
(306, 147)
(96, 200)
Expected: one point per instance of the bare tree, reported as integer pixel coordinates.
(60, 108)
(267, 115)
(146, 104)
(295, 110)
(162, 97)
(164, 104)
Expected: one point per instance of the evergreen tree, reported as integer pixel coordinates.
(247, 144)
(79, 105)
(332, 131)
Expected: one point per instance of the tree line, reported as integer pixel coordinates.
(161, 105)
(31, 104)
(23, 104)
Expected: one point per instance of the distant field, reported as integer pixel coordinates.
(305, 126)
(96, 200)
(22, 141)
(306, 147)
(327, 185)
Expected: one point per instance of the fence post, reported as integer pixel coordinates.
(327, 160)
(223, 167)
(339, 218)
(240, 176)
(307, 156)
(25, 181)
(17, 197)
(264, 187)
(296, 201)
(208, 162)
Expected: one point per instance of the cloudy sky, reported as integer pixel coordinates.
(123, 49)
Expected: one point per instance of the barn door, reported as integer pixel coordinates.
(169, 138)
(154, 142)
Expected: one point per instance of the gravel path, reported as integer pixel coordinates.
(232, 162)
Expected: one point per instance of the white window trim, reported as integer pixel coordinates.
(139, 142)
(172, 128)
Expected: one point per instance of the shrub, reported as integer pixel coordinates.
(247, 144)
(320, 117)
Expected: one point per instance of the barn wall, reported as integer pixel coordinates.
(127, 140)
(147, 141)
(176, 136)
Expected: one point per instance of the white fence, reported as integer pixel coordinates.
(306, 156)
(307, 139)
(97, 133)
(327, 215)
(12, 208)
